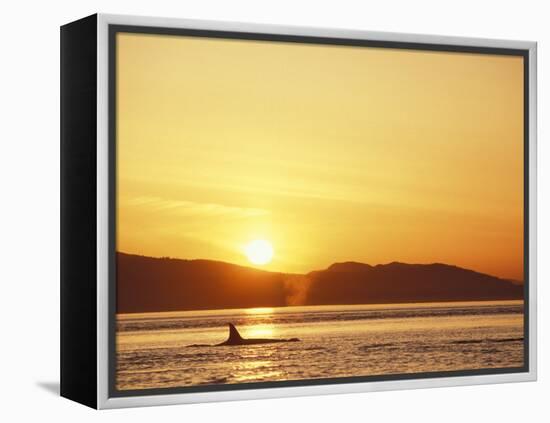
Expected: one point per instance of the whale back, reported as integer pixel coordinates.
(234, 335)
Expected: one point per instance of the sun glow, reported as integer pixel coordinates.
(259, 252)
(241, 175)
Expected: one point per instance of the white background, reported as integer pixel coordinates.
(29, 170)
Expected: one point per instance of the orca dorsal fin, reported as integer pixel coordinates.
(234, 335)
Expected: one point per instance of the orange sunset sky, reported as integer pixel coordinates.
(330, 153)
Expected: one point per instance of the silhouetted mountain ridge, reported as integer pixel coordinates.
(167, 284)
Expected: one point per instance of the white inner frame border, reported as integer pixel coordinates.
(103, 400)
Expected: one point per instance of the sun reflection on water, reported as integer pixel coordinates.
(260, 331)
(257, 370)
(259, 310)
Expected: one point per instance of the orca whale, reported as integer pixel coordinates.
(235, 339)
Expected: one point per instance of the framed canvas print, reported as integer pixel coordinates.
(254, 211)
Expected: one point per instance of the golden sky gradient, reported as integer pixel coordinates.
(331, 153)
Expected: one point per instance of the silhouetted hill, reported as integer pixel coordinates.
(344, 283)
(163, 284)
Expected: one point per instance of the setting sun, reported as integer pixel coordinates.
(259, 252)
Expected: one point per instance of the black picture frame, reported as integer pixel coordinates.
(80, 348)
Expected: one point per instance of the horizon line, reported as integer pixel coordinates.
(373, 305)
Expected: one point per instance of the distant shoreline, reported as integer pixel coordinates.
(381, 306)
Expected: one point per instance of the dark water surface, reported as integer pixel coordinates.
(336, 341)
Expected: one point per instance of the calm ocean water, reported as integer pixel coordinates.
(336, 341)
